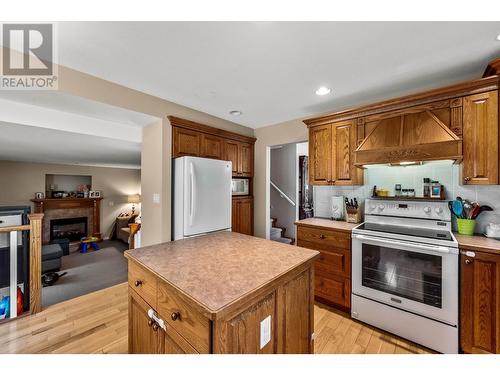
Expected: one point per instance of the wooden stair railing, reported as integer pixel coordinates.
(35, 275)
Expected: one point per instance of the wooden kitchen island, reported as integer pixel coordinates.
(221, 293)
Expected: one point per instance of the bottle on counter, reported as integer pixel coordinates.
(427, 187)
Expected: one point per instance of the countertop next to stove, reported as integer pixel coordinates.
(478, 243)
(327, 223)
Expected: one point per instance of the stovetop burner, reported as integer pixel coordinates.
(408, 231)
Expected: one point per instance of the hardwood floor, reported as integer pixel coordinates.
(337, 333)
(97, 323)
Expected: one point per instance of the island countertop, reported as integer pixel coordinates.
(218, 269)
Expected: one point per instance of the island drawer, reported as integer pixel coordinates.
(184, 318)
(320, 239)
(143, 282)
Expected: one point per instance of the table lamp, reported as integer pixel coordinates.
(134, 199)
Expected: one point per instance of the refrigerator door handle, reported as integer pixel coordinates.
(191, 211)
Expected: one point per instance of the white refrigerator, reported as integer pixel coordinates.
(201, 196)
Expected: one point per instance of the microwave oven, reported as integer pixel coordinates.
(240, 186)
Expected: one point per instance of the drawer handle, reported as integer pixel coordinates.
(175, 316)
(322, 236)
(150, 322)
(468, 261)
(138, 283)
(155, 326)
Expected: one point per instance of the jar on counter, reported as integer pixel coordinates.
(405, 192)
(411, 193)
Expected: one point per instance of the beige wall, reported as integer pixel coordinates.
(19, 181)
(286, 132)
(155, 174)
(156, 151)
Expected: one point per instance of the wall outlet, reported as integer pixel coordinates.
(111, 203)
(265, 331)
(156, 198)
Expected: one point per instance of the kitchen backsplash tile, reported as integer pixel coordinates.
(411, 177)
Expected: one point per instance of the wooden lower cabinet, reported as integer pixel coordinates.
(288, 304)
(146, 339)
(332, 280)
(242, 215)
(480, 303)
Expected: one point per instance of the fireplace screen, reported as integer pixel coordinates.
(72, 229)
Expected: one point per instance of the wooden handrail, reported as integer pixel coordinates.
(15, 228)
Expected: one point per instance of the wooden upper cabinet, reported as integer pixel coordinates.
(186, 142)
(344, 143)
(480, 303)
(241, 156)
(331, 155)
(246, 159)
(480, 139)
(232, 154)
(320, 155)
(143, 339)
(192, 139)
(212, 146)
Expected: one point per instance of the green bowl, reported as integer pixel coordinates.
(466, 226)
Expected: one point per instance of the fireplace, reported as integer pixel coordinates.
(72, 229)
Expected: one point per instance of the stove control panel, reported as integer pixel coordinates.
(437, 210)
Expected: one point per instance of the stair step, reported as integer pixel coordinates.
(283, 240)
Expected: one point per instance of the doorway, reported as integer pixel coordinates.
(289, 191)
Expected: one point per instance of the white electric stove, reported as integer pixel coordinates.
(405, 271)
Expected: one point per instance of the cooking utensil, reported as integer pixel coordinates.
(474, 212)
(458, 208)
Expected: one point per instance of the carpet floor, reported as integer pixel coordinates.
(88, 272)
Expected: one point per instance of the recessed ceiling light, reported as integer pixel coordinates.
(323, 91)
(236, 113)
(498, 37)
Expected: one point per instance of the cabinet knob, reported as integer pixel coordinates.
(155, 326)
(138, 283)
(467, 179)
(150, 322)
(175, 315)
(322, 236)
(468, 261)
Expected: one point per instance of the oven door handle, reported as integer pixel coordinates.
(439, 249)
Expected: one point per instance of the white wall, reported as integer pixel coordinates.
(284, 175)
(411, 177)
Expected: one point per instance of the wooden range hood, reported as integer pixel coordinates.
(416, 134)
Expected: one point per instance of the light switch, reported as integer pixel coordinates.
(265, 331)
(156, 198)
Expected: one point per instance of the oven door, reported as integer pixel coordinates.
(415, 277)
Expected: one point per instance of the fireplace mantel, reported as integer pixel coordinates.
(43, 205)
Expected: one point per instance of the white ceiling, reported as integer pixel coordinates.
(270, 70)
(35, 144)
(53, 127)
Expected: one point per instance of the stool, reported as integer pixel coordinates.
(85, 242)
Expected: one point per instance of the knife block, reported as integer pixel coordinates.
(353, 215)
